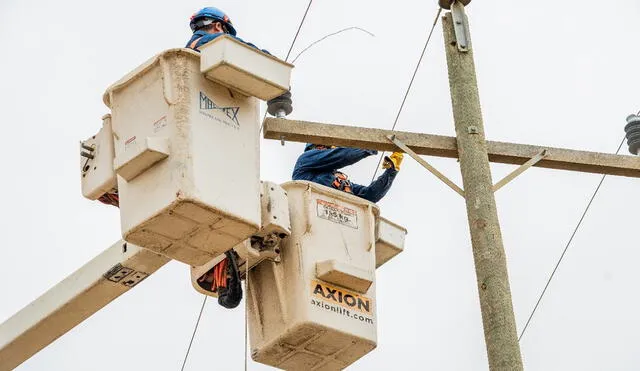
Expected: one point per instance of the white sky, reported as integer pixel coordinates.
(550, 72)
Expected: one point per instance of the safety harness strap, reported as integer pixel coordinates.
(341, 182)
(194, 43)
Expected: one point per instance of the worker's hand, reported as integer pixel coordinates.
(393, 161)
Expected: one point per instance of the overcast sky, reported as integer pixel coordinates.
(553, 73)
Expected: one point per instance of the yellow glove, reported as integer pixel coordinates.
(393, 161)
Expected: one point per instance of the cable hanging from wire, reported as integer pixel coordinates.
(329, 35)
(575, 230)
(316, 42)
(406, 94)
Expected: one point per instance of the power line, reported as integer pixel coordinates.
(193, 335)
(246, 319)
(406, 94)
(575, 230)
(304, 17)
(293, 42)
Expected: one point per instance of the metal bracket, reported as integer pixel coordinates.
(426, 165)
(534, 160)
(460, 26)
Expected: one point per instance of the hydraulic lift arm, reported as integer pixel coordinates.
(103, 279)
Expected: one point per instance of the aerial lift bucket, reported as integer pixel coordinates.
(316, 308)
(186, 148)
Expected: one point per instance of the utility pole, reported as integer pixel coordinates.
(500, 333)
(474, 154)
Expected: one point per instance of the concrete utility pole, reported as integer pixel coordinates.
(488, 252)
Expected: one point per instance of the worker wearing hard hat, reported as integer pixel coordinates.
(320, 164)
(209, 23)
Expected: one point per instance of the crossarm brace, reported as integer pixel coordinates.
(426, 165)
(534, 160)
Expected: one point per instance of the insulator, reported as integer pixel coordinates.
(633, 133)
(280, 106)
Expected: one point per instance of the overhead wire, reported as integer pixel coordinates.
(295, 38)
(195, 329)
(246, 318)
(193, 335)
(575, 230)
(293, 42)
(406, 93)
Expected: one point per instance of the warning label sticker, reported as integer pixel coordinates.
(337, 214)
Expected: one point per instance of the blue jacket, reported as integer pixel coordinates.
(205, 37)
(319, 166)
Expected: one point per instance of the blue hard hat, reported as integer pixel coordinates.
(309, 147)
(209, 15)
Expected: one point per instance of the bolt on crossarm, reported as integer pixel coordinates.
(488, 251)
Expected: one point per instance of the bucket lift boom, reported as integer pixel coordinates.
(161, 156)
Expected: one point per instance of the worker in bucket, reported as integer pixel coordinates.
(320, 164)
(209, 23)
(223, 279)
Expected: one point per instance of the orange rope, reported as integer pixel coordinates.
(218, 275)
(223, 273)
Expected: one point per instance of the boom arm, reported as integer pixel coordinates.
(89, 289)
